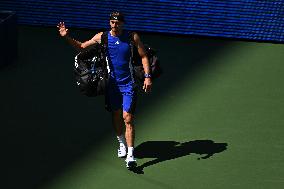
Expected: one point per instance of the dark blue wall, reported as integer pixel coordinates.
(241, 19)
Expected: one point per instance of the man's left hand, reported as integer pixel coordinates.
(147, 85)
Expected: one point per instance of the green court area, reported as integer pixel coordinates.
(215, 118)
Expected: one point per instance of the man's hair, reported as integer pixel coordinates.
(116, 15)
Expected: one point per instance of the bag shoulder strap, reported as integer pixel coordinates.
(132, 46)
(131, 37)
(104, 39)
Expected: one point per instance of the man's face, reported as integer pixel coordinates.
(116, 25)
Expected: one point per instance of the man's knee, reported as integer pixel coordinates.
(117, 114)
(117, 118)
(128, 119)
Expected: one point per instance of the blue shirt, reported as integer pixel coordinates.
(119, 54)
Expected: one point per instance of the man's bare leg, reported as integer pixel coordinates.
(129, 128)
(130, 136)
(118, 123)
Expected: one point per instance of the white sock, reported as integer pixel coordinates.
(121, 140)
(130, 151)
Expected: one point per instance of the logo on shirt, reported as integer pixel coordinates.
(117, 43)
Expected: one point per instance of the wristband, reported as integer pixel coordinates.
(147, 75)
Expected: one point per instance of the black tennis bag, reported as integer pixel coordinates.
(154, 62)
(90, 71)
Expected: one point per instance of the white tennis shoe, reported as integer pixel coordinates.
(122, 151)
(130, 162)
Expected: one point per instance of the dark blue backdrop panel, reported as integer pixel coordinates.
(242, 19)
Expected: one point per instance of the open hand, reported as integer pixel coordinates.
(63, 31)
(147, 85)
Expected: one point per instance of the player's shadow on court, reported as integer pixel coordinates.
(168, 150)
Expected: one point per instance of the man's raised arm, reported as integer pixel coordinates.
(63, 31)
